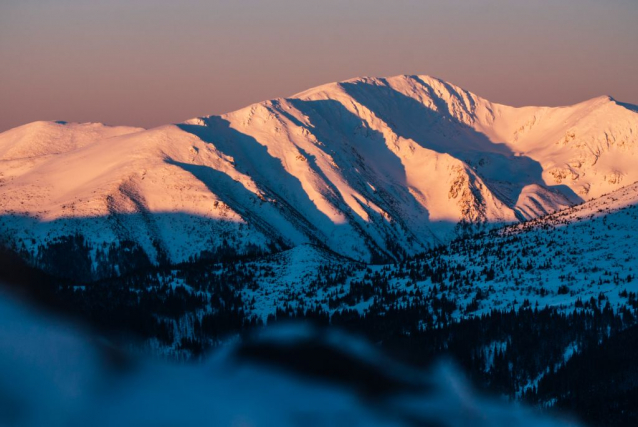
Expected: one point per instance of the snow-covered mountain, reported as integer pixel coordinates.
(369, 168)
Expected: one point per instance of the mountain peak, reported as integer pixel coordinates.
(600, 100)
(371, 168)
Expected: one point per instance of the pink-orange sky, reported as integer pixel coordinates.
(150, 62)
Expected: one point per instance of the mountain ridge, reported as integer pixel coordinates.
(372, 168)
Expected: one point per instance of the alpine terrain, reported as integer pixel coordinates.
(406, 210)
(373, 169)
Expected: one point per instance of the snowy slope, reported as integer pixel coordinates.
(570, 259)
(371, 168)
(48, 138)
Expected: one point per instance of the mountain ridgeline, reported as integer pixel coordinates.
(373, 169)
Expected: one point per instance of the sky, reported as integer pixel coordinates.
(152, 62)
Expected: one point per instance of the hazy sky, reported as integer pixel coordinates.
(146, 63)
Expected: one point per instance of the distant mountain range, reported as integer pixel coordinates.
(373, 169)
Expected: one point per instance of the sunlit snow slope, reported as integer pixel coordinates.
(370, 168)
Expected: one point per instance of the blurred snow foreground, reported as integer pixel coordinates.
(53, 374)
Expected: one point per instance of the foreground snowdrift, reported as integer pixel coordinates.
(52, 374)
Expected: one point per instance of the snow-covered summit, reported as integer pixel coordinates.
(371, 168)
